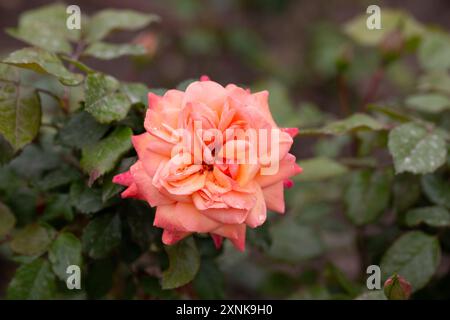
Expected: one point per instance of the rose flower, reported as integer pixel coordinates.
(212, 160)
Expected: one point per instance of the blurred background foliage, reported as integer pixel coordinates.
(372, 108)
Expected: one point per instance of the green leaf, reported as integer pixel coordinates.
(103, 100)
(106, 21)
(430, 103)
(434, 51)
(102, 157)
(102, 235)
(20, 115)
(184, 263)
(58, 178)
(406, 191)
(356, 122)
(286, 237)
(436, 189)
(58, 207)
(434, 216)
(415, 149)
(46, 28)
(33, 240)
(437, 80)
(82, 130)
(139, 221)
(391, 20)
(151, 287)
(33, 281)
(42, 61)
(7, 220)
(320, 168)
(6, 151)
(85, 199)
(33, 161)
(414, 256)
(99, 279)
(107, 51)
(65, 251)
(367, 195)
(209, 282)
(9, 73)
(136, 92)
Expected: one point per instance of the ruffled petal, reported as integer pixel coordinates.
(146, 188)
(287, 168)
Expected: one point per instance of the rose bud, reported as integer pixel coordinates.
(397, 288)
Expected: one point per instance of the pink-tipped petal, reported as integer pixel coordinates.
(146, 188)
(288, 183)
(171, 237)
(291, 131)
(124, 179)
(218, 240)
(287, 169)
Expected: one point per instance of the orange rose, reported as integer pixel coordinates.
(212, 160)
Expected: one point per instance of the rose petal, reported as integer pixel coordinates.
(258, 214)
(146, 187)
(274, 197)
(171, 237)
(183, 217)
(287, 168)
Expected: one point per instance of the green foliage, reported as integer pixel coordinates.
(33, 240)
(414, 256)
(106, 21)
(42, 27)
(33, 281)
(102, 235)
(100, 158)
(7, 220)
(104, 100)
(393, 20)
(65, 251)
(42, 61)
(106, 51)
(367, 195)
(433, 216)
(415, 149)
(20, 115)
(184, 263)
(320, 168)
(353, 123)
